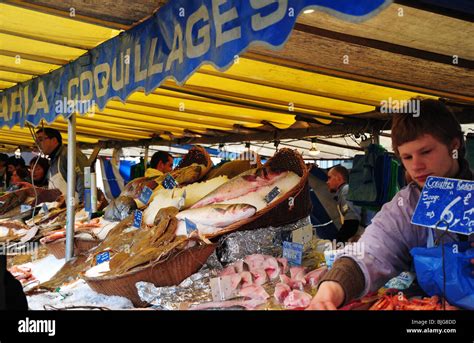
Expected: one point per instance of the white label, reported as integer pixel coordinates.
(303, 235)
(221, 288)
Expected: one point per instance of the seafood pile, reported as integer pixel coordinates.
(239, 198)
(96, 229)
(150, 244)
(22, 274)
(255, 275)
(183, 176)
(12, 230)
(399, 302)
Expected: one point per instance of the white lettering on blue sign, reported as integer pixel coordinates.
(293, 252)
(446, 204)
(169, 182)
(173, 42)
(102, 257)
(145, 195)
(137, 219)
(272, 195)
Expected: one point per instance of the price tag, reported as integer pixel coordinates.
(272, 195)
(25, 208)
(169, 182)
(87, 200)
(303, 235)
(293, 252)
(137, 219)
(145, 195)
(221, 288)
(190, 226)
(446, 201)
(102, 257)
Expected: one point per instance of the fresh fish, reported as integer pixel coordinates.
(189, 174)
(229, 270)
(242, 184)
(13, 199)
(281, 292)
(135, 187)
(297, 300)
(314, 276)
(256, 292)
(271, 267)
(120, 208)
(259, 276)
(247, 279)
(255, 261)
(210, 218)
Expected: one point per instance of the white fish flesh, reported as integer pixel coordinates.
(210, 218)
(244, 184)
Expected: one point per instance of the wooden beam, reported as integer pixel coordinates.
(320, 131)
(384, 46)
(120, 13)
(371, 65)
(448, 12)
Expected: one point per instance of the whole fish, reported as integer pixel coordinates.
(245, 183)
(214, 216)
(11, 200)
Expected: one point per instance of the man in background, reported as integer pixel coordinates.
(337, 183)
(51, 144)
(161, 163)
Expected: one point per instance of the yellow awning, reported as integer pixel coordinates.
(252, 95)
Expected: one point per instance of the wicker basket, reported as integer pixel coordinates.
(197, 154)
(169, 272)
(281, 211)
(81, 246)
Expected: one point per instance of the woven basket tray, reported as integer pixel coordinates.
(169, 272)
(197, 154)
(280, 212)
(81, 246)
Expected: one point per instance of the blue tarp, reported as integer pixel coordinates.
(174, 42)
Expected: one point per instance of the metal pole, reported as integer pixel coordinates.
(146, 157)
(71, 185)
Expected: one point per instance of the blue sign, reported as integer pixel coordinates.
(137, 219)
(190, 226)
(87, 200)
(293, 252)
(448, 202)
(102, 257)
(169, 182)
(145, 195)
(173, 42)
